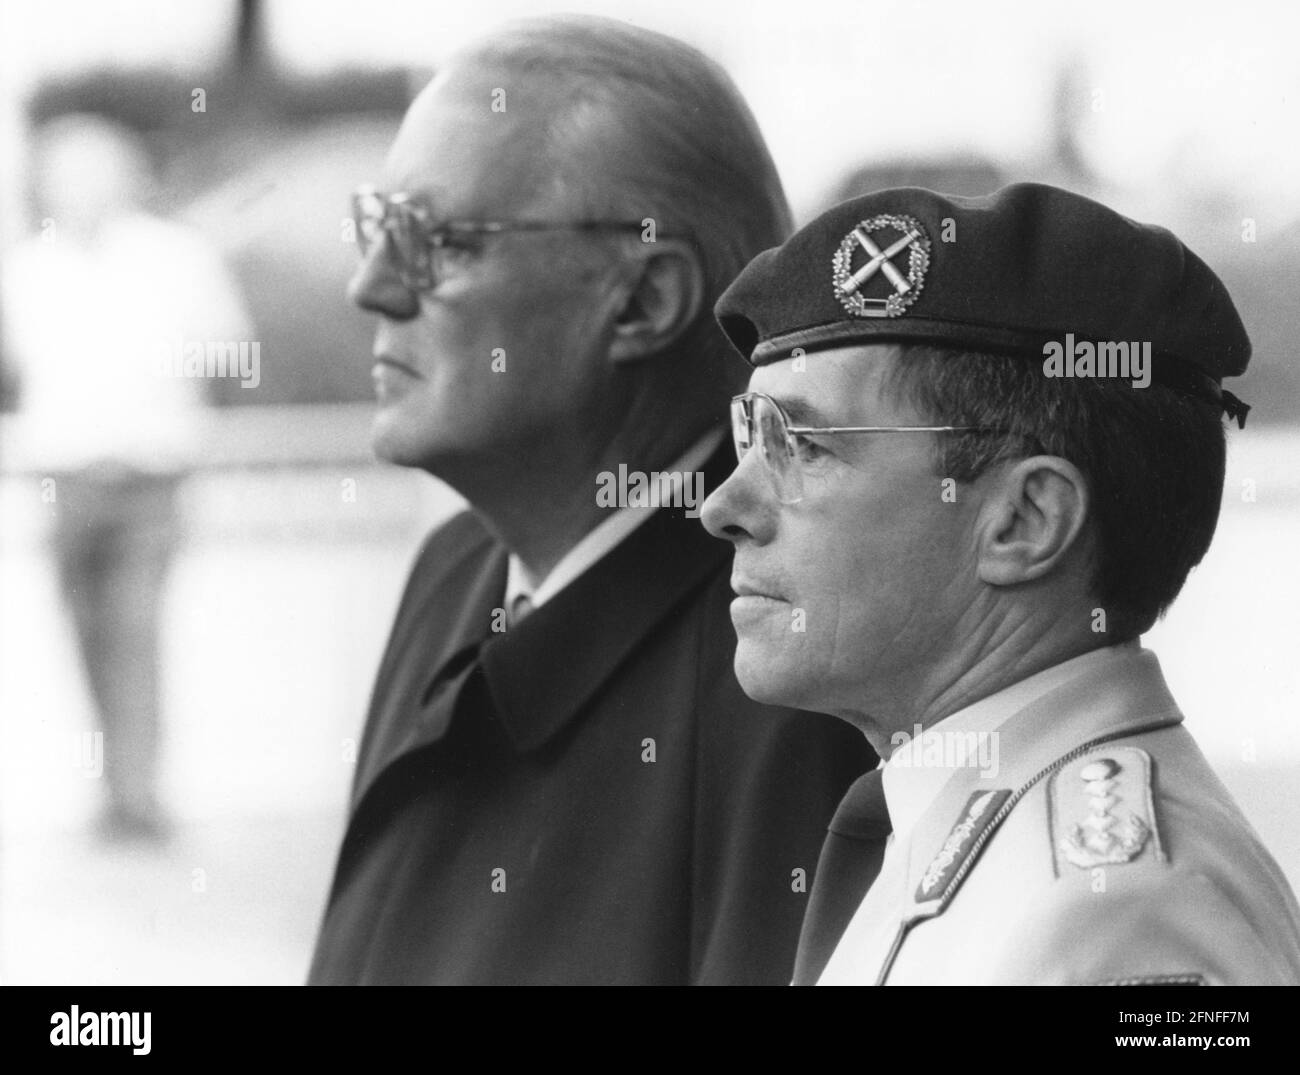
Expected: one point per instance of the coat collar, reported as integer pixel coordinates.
(476, 604)
(543, 671)
(466, 579)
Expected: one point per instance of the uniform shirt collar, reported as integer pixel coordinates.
(913, 776)
(604, 537)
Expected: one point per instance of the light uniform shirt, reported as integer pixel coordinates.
(910, 788)
(602, 539)
(1068, 830)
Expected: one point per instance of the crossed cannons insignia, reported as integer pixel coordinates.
(873, 245)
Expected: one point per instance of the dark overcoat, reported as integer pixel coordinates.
(586, 797)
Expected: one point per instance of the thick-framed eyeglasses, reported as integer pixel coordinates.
(782, 447)
(421, 247)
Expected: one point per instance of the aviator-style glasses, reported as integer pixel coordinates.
(422, 248)
(782, 447)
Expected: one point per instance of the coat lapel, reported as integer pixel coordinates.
(541, 673)
(447, 617)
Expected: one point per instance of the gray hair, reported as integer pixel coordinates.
(674, 139)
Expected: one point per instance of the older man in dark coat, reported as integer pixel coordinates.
(560, 780)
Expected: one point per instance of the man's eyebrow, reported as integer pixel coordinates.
(803, 412)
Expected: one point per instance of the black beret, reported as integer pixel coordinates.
(1010, 272)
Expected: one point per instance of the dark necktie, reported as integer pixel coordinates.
(849, 863)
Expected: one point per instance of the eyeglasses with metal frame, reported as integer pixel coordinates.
(421, 246)
(759, 419)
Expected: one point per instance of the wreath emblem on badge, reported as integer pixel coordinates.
(874, 244)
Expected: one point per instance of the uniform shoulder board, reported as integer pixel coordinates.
(1102, 813)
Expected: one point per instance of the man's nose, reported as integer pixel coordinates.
(377, 287)
(742, 506)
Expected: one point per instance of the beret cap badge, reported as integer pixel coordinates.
(874, 245)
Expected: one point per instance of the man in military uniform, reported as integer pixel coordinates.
(560, 780)
(982, 449)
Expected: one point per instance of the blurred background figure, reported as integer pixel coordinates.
(246, 544)
(101, 305)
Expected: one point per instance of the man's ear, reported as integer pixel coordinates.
(1033, 515)
(663, 302)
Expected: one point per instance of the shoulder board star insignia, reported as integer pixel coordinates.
(1102, 812)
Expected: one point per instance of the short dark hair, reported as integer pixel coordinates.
(1153, 459)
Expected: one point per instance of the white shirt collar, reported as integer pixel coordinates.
(914, 777)
(601, 539)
